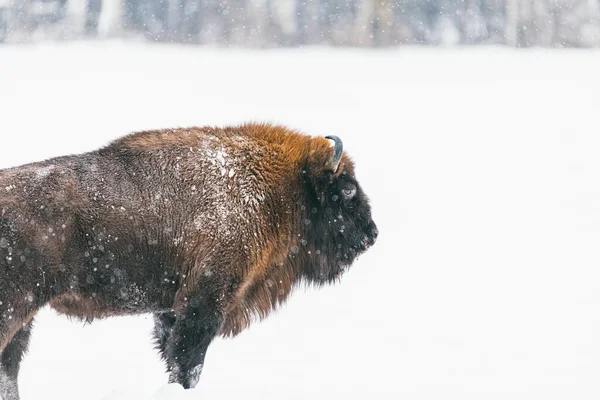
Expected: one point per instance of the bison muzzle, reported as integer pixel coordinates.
(207, 228)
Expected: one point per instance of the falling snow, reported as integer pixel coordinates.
(481, 166)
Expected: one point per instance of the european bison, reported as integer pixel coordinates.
(206, 228)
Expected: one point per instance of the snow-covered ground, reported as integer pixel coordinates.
(483, 167)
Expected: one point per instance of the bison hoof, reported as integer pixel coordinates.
(188, 379)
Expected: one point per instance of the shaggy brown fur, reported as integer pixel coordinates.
(207, 228)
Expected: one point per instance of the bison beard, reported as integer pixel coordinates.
(207, 228)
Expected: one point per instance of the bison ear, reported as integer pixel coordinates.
(324, 162)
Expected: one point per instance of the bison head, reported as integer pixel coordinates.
(337, 217)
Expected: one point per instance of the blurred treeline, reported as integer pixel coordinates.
(273, 23)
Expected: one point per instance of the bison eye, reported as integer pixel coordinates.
(349, 192)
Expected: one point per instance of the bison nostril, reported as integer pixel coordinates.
(374, 232)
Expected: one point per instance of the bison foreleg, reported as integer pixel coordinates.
(191, 335)
(163, 325)
(9, 389)
(10, 362)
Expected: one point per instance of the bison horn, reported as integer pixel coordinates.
(336, 157)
